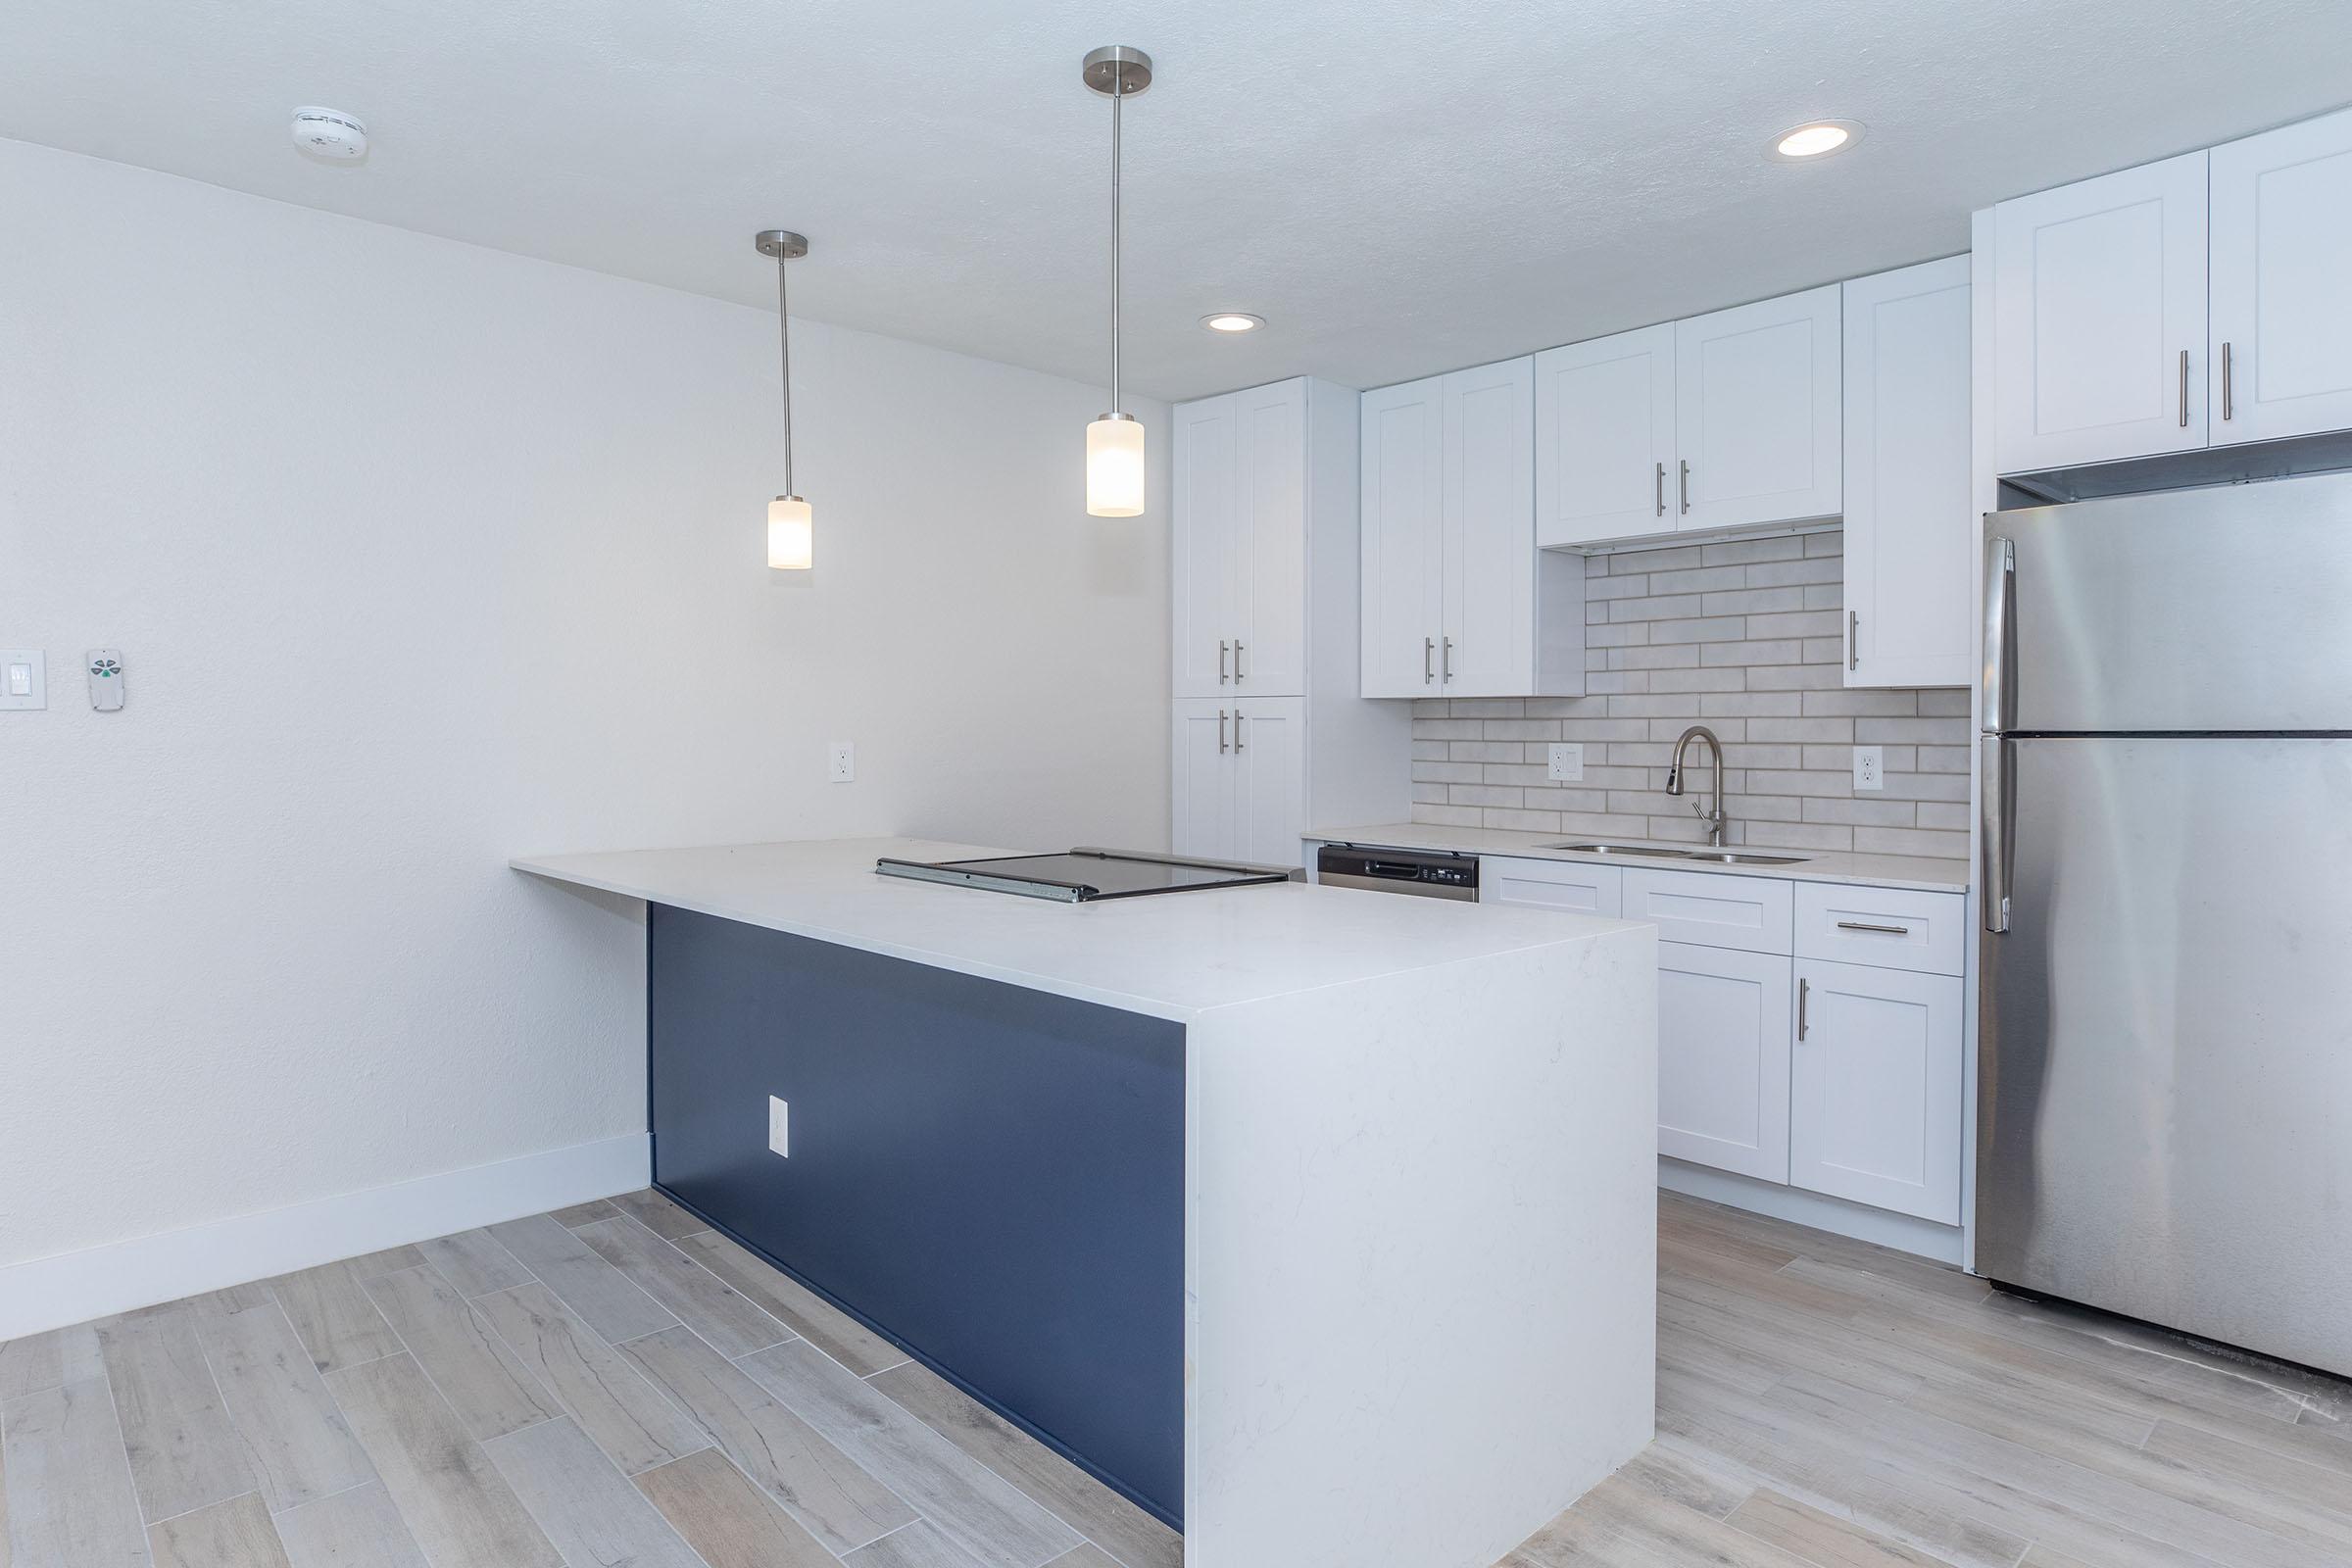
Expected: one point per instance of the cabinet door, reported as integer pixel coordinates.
(1487, 643)
(1269, 755)
(1204, 547)
(1756, 395)
(1910, 517)
(1204, 780)
(2098, 301)
(1723, 1059)
(2281, 318)
(1876, 1090)
(1404, 537)
(1269, 595)
(1575, 886)
(1604, 438)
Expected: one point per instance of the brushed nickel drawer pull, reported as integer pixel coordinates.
(1804, 990)
(2184, 389)
(2228, 398)
(1865, 925)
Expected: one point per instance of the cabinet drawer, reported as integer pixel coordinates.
(1569, 885)
(1883, 927)
(1751, 914)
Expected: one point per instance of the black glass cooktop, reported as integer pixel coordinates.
(1085, 875)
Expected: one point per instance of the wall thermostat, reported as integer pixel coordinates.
(105, 665)
(329, 133)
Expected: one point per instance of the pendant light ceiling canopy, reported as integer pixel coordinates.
(1114, 442)
(791, 520)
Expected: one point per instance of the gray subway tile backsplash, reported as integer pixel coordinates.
(1742, 636)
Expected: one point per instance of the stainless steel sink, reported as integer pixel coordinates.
(1718, 856)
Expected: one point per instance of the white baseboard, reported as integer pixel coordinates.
(47, 1293)
(1905, 1233)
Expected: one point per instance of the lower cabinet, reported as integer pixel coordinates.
(1723, 1059)
(1575, 886)
(1875, 1087)
(1239, 779)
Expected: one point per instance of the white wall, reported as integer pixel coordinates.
(420, 555)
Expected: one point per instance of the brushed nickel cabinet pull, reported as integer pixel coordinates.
(1224, 651)
(1237, 731)
(1853, 638)
(2184, 389)
(1661, 489)
(1237, 662)
(1803, 989)
(1865, 925)
(1685, 484)
(1446, 666)
(1429, 652)
(1221, 747)
(2228, 400)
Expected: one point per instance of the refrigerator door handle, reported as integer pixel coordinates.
(1995, 840)
(2000, 635)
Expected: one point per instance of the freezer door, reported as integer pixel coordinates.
(2164, 1112)
(2225, 609)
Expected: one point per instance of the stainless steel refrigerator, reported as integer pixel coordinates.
(2164, 1107)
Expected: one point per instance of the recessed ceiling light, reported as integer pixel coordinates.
(1233, 322)
(1814, 140)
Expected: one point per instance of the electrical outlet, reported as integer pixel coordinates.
(841, 762)
(1869, 768)
(779, 1127)
(1567, 761)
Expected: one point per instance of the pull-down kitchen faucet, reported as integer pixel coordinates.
(1674, 778)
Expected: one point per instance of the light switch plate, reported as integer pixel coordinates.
(1567, 761)
(1869, 768)
(779, 1127)
(24, 679)
(841, 762)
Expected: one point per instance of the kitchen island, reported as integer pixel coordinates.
(1319, 1222)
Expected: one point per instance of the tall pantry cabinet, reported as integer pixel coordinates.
(1268, 736)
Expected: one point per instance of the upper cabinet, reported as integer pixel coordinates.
(2111, 338)
(1756, 400)
(1604, 438)
(2100, 318)
(1457, 602)
(1724, 420)
(2280, 359)
(1240, 544)
(1910, 527)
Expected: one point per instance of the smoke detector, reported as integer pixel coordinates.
(329, 133)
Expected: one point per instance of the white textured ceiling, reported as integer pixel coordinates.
(1400, 187)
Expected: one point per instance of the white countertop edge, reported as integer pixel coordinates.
(1913, 873)
(563, 868)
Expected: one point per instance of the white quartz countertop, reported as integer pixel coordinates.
(1175, 956)
(1815, 865)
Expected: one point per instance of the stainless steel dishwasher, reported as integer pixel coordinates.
(1423, 873)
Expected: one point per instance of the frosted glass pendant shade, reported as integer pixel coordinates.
(791, 534)
(1114, 466)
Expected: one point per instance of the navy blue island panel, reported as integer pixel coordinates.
(990, 1176)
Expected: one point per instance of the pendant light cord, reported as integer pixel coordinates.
(784, 335)
(1118, 91)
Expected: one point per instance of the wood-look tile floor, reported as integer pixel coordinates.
(612, 1384)
(616, 1384)
(1823, 1404)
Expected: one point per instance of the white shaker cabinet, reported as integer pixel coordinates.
(1605, 464)
(1456, 600)
(2280, 361)
(2100, 318)
(1876, 1088)
(1240, 544)
(1757, 409)
(1723, 1059)
(1239, 778)
(1578, 887)
(1911, 524)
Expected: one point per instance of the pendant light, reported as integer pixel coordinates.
(791, 522)
(1114, 442)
